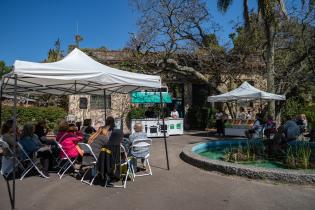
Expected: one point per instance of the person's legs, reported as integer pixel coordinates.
(218, 126)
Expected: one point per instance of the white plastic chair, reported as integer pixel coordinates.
(6, 146)
(87, 148)
(30, 164)
(140, 149)
(124, 162)
(68, 163)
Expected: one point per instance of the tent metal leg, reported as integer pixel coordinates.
(105, 114)
(165, 129)
(15, 139)
(1, 92)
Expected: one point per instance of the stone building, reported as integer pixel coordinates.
(185, 91)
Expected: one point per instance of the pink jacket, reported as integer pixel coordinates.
(68, 142)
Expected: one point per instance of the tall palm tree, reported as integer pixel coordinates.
(267, 10)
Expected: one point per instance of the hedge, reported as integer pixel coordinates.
(25, 114)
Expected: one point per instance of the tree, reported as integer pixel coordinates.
(271, 13)
(294, 52)
(4, 69)
(172, 38)
(56, 53)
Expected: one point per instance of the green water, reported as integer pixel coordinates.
(218, 155)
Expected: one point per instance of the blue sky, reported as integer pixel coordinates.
(29, 28)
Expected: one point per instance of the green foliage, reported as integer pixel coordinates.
(309, 111)
(248, 152)
(294, 107)
(56, 53)
(137, 113)
(33, 114)
(198, 117)
(299, 156)
(4, 69)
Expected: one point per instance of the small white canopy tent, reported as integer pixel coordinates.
(76, 73)
(245, 92)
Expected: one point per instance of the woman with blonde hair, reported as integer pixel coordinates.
(101, 136)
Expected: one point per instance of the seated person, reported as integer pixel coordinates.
(270, 126)
(101, 137)
(31, 144)
(138, 134)
(116, 136)
(257, 127)
(87, 127)
(41, 131)
(291, 130)
(68, 137)
(301, 121)
(8, 137)
(87, 130)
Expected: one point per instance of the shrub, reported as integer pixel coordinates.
(200, 118)
(309, 111)
(137, 113)
(33, 114)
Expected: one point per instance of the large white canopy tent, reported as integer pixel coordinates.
(245, 92)
(77, 73)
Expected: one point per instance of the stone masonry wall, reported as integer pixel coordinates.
(120, 104)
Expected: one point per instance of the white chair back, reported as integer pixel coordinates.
(87, 148)
(140, 148)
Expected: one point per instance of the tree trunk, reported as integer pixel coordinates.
(270, 51)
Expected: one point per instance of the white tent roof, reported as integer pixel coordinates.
(245, 92)
(76, 73)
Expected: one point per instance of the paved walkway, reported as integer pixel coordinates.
(183, 187)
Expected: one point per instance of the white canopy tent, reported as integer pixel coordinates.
(76, 73)
(245, 92)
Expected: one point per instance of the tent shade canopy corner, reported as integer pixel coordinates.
(245, 92)
(77, 73)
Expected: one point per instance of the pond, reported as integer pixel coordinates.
(254, 153)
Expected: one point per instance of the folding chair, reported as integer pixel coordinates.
(68, 163)
(6, 146)
(124, 163)
(30, 165)
(92, 164)
(140, 149)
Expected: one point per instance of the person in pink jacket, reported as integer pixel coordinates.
(69, 137)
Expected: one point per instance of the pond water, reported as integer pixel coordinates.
(215, 150)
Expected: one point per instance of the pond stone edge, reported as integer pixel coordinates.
(279, 175)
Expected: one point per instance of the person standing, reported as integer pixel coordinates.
(242, 115)
(174, 113)
(219, 122)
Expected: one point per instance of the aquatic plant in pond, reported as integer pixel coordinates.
(257, 153)
(299, 156)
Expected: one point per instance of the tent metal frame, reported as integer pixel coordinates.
(15, 90)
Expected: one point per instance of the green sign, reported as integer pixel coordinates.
(150, 97)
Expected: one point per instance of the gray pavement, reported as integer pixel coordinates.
(183, 187)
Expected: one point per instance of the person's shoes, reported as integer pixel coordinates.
(46, 173)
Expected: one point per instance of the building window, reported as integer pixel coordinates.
(97, 102)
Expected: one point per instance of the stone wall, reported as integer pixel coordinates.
(120, 104)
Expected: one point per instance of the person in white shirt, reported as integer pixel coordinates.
(174, 113)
